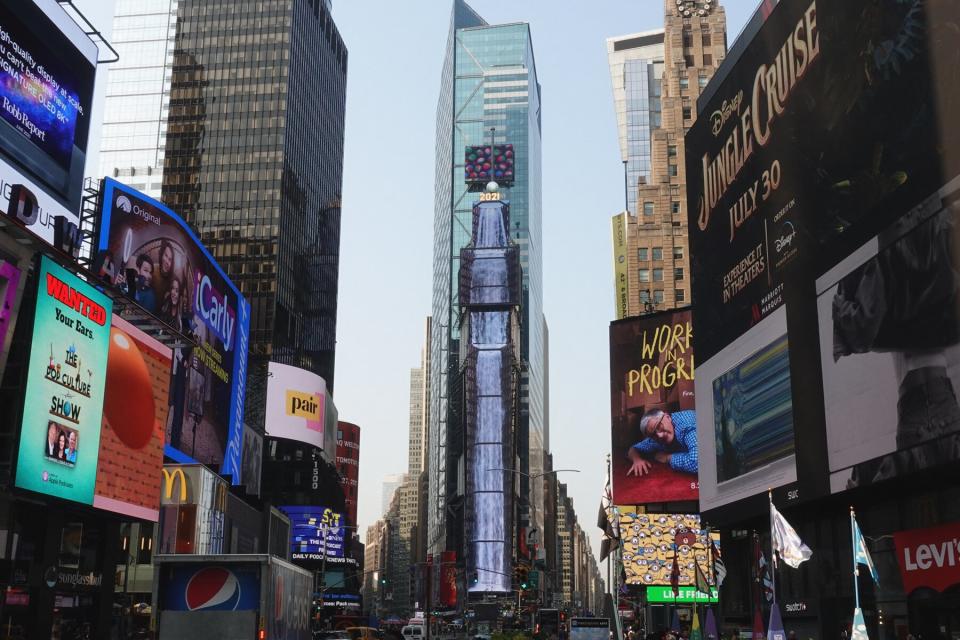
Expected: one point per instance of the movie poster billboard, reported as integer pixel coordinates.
(60, 431)
(135, 408)
(152, 256)
(654, 421)
(296, 406)
(824, 131)
(652, 540)
(890, 348)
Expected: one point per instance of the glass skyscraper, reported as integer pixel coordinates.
(636, 67)
(489, 94)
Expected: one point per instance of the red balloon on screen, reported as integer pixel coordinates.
(128, 397)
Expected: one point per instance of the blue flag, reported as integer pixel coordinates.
(775, 630)
(710, 628)
(861, 554)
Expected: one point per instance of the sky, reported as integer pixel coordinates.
(393, 81)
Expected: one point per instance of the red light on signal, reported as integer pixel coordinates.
(262, 635)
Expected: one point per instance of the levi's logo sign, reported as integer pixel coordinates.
(67, 295)
(926, 556)
(303, 405)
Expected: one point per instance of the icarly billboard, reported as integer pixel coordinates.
(296, 406)
(60, 432)
(831, 124)
(654, 426)
(150, 254)
(135, 409)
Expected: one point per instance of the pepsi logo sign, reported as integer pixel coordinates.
(213, 589)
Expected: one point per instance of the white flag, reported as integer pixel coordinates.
(786, 542)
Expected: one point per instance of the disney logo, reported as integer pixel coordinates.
(786, 239)
(719, 117)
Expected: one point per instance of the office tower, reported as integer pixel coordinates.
(419, 410)
(636, 66)
(390, 485)
(489, 95)
(254, 160)
(654, 273)
(133, 136)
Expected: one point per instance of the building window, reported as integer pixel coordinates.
(684, 82)
(678, 273)
(658, 275)
(672, 170)
(642, 254)
(671, 151)
(702, 79)
(658, 253)
(648, 208)
(687, 114)
(675, 206)
(645, 295)
(707, 59)
(675, 223)
(706, 40)
(658, 297)
(688, 60)
(644, 275)
(678, 253)
(678, 295)
(687, 39)
(674, 190)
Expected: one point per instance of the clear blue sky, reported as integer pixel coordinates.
(396, 50)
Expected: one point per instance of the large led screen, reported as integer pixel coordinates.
(60, 432)
(654, 422)
(489, 162)
(890, 348)
(827, 128)
(652, 540)
(296, 405)
(152, 256)
(315, 532)
(745, 416)
(135, 409)
(348, 466)
(47, 71)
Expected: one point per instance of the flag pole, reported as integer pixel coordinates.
(773, 553)
(856, 569)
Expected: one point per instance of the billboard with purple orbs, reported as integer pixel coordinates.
(489, 162)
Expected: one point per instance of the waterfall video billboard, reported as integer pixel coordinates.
(47, 73)
(135, 408)
(890, 348)
(651, 540)
(60, 430)
(151, 255)
(653, 416)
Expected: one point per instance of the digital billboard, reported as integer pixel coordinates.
(296, 405)
(47, 72)
(654, 421)
(745, 417)
(60, 431)
(252, 460)
(812, 154)
(652, 540)
(348, 466)
(488, 162)
(824, 131)
(151, 255)
(135, 408)
(9, 284)
(313, 529)
(890, 348)
(621, 265)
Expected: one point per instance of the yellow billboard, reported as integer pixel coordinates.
(650, 541)
(620, 263)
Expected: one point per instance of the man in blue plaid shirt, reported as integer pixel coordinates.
(670, 438)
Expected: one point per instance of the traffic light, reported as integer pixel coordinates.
(523, 576)
(383, 580)
(474, 577)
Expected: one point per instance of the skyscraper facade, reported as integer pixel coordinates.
(636, 67)
(254, 160)
(137, 101)
(489, 95)
(656, 258)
